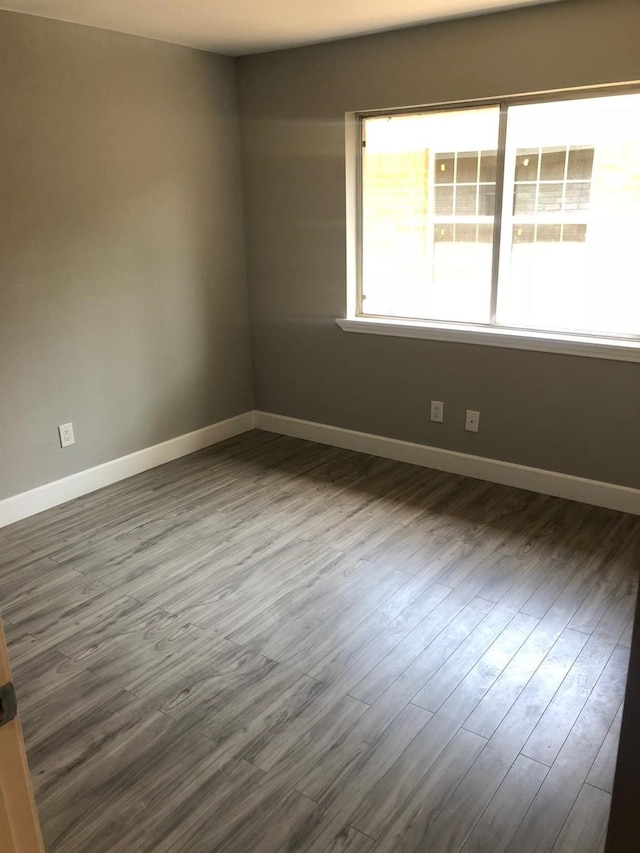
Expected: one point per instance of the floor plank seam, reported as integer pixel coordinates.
(598, 787)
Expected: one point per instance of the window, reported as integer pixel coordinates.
(514, 218)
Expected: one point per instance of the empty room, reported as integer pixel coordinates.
(319, 409)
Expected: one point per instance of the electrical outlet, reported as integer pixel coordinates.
(437, 411)
(472, 421)
(65, 431)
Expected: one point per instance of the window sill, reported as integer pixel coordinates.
(591, 347)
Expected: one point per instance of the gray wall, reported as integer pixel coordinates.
(123, 303)
(575, 415)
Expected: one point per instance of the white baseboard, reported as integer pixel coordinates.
(559, 485)
(60, 491)
(594, 492)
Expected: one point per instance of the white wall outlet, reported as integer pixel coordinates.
(472, 421)
(65, 432)
(437, 411)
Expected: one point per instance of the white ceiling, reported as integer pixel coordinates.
(250, 26)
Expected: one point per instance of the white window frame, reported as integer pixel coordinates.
(592, 346)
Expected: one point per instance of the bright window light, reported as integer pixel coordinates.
(521, 216)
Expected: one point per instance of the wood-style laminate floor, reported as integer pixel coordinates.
(275, 646)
